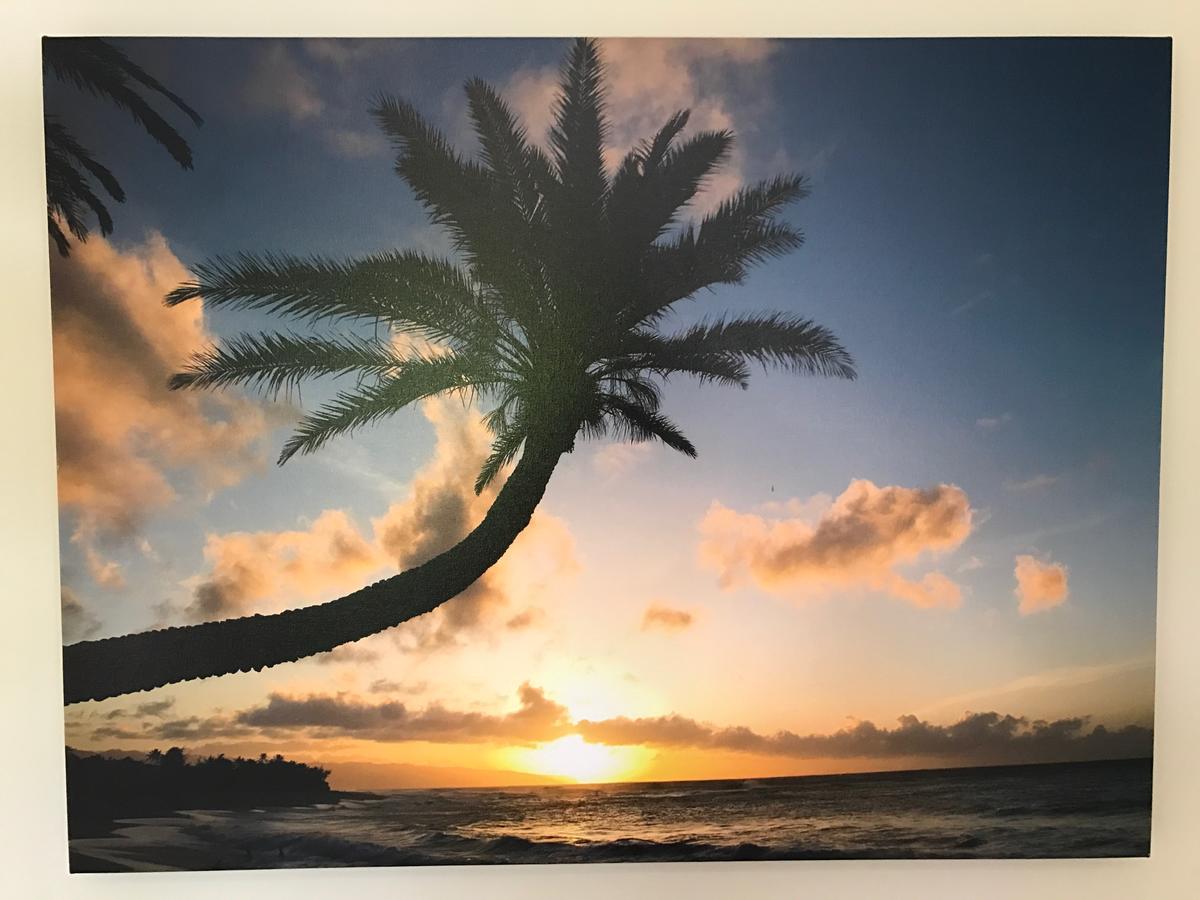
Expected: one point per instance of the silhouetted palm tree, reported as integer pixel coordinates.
(97, 67)
(553, 323)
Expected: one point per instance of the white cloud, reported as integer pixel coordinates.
(991, 423)
(278, 83)
(1038, 481)
(615, 459)
(352, 143)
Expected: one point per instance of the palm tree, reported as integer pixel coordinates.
(553, 323)
(97, 67)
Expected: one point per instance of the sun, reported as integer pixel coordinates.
(574, 758)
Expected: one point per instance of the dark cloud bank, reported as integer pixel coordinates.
(977, 738)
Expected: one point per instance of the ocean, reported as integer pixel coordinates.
(1061, 810)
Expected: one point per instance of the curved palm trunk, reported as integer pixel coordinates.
(93, 670)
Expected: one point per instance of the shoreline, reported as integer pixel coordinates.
(96, 844)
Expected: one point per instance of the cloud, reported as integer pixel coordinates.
(127, 445)
(283, 81)
(189, 729)
(858, 542)
(278, 83)
(648, 80)
(1032, 484)
(258, 570)
(976, 738)
(526, 618)
(268, 571)
(615, 459)
(340, 52)
(987, 737)
(78, 622)
(158, 708)
(1040, 585)
(973, 301)
(388, 686)
(364, 651)
(666, 619)
(1107, 680)
(353, 143)
(536, 719)
(991, 423)
(442, 508)
(105, 572)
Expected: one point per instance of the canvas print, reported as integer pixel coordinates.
(593, 450)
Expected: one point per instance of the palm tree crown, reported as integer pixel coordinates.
(553, 318)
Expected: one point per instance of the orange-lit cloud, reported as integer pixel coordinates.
(526, 618)
(252, 569)
(1040, 585)
(666, 618)
(389, 686)
(442, 508)
(858, 541)
(272, 570)
(126, 443)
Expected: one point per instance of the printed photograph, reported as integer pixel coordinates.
(507, 451)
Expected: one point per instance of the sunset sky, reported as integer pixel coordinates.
(948, 561)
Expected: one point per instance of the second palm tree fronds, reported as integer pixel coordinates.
(554, 321)
(100, 69)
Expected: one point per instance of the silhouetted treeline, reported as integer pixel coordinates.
(100, 789)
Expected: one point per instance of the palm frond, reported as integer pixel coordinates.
(62, 141)
(652, 353)
(61, 242)
(740, 234)
(579, 130)
(408, 290)
(504, 146)
(504, 450)
(95, 66)
(657, 148)
(454, 191)
(759, 201)
(637, 389)
(272, 363)
(643, 210)
(119, 60)
(772, 340)
(636, 423)
(67, 191)
(463, 197)
(415, 379)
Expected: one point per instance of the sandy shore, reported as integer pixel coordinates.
(166, 845)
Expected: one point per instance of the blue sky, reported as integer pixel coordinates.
(986, 234)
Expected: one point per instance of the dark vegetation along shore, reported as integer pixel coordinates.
(101, 789)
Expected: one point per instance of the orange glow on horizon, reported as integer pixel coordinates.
(574, 758)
